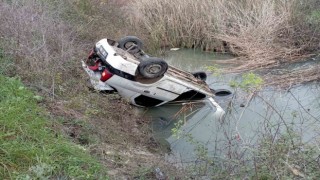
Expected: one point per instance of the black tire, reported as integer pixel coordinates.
(127, 42)
(152, 67)
(200, 75)
(221, 92)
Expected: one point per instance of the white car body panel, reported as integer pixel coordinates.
(117, 61)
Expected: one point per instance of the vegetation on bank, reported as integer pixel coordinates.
(46, 41)
(265, 32)
(30, 148)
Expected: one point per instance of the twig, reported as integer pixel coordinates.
(284, 122)
(303, 107)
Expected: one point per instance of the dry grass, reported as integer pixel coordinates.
(47, 40)
(263, 32)
(41, 44)
(183, 23)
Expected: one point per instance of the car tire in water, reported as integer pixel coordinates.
(200, 75)
(221, 92)
(127, 42)
(152, 67)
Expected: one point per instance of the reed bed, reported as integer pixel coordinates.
(264, 33)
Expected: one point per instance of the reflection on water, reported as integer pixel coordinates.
(194, 59)
(297, 109)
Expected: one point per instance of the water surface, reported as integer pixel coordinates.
(297, 108)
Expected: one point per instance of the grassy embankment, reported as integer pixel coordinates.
(29, 146)
(47, 41)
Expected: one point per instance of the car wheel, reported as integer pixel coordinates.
(152, 67)
(131, 44)
(221, 92)
(200, 75)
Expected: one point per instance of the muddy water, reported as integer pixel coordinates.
(297, 108)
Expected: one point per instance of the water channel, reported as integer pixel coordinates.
(183, 128)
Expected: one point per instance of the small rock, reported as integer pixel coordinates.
(159, 175)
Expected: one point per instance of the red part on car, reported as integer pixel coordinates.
(95, 67)
(105, 75)
(91, 58)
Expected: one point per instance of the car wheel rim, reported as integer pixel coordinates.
(129, 44)
(153, 69)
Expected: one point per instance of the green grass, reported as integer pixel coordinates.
(5, 62)
(29, 148)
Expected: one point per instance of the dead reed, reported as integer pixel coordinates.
(264, 33)
(296, 77)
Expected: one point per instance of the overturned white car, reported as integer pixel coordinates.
(145, 81)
